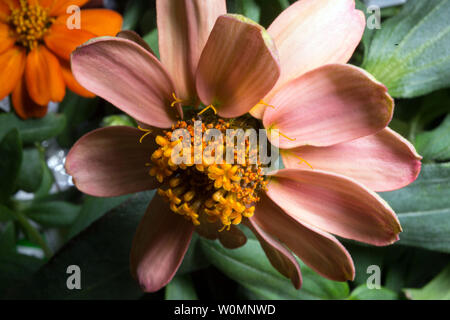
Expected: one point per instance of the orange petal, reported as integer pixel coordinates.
(24, 106)
(101, 22)
(73, 84)
(44, 78)
(4, 11)
(12, 64)
(63, 41)
(6, 41)
(59, 7)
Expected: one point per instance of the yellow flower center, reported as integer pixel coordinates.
(30, 23)
(205, 189)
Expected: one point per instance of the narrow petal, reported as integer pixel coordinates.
(64, 41)
(280, 257)
(100, 22)
(329, 105)
(336, 204)
(72, 83)
(159, 245)
(135, 37)
(238, 66)
(128, 76)
(231, 239)
(384, 161)
(24, 106)
(312, 33)
(319, 250)
(59, 7)
(6, 41)
(44, 78)
(183, 29)
(12, 64)
(111, 161)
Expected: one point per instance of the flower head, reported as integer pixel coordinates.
(35, 47)
(329, 119)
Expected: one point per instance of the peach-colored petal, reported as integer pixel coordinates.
(6, 41)
(63, 41)
(100, 22)
(159, 245)
(336, 204)
(111, 161)
(384, 161)
(12, 64)
(280, 257)
(71, 83)
(319, 250)
(183, 29)
(128, 76)
(22, 103)
(329, 105)
(312, 33)
(43, 76)
(238, 66)
(135, 37)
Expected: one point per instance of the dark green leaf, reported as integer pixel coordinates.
(181, 288)
(31, 171)
(152, 40)
(7, 238)
(33, 130)
(250, 267)
(10, 161)
(132, 14)
(435, 144)
(6, 214)
(53, 214)
(437, 289)
(46, 183)
(424, 209)
(248, 8)
(364, 293)
(410, 54)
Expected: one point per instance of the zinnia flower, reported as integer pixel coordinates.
(332, 120)
(35, 48)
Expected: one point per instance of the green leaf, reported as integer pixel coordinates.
(31, 171)
(424, 209)
(437, 289)
(33, 130)
(152, 40)
(133, 12)
(248, 8)
(54, 214)
(250, 267)
(102, 253)
(93, 208)
(10, 161)
(410, 54)
(364, 293)
(181, 288)
(46, 183)
(8, 238)
(6, 214)
(435, 144)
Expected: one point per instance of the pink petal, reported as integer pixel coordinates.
(384, 161)
(110, 162)
(238, 66)
(280, 257)
(159, 245)
(128, 76)
(329, 105)
(335, 204)
(319, 250)
(183, 29)
(135, 37)
(312, 33)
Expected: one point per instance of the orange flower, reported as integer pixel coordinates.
(35, 48)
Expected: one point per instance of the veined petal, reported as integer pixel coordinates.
(319, 250)
(24, 106)
(63, 41)
(100, 22)
(238, 66)
(135, 37)
(384, 161)
(12, 64)
(159, 245)
(312, 33)
(111, 161)
(6, 41)
(280, 257)
(183, 29)
(332, 104)
(43, 76)
(128, 76)
(71, 83)
(59, 7)
(336, 204)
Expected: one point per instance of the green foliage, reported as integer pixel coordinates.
(181, 288)
(10, 161)
(31, 171)
(364, 293)
(437, 289)
(435, 144)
